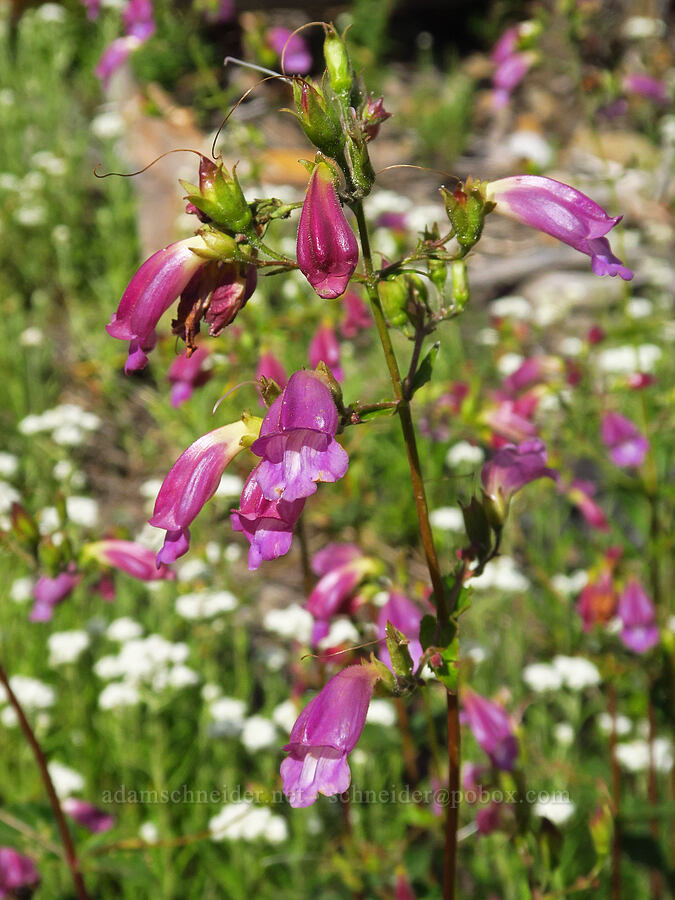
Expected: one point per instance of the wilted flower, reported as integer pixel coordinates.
(563, 212)
(266, 524)
(491, 726)
(326, 731)
(327, 249)
(187, 373)
(193, 480)
(130, 557)
(638, 617)
(88, 816)
(510, 469)
(626, 445)
(49, 592)
(324, 348)
(16, 872)
(297, 442)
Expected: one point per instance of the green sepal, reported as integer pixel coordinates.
(397, 644)
(426, 368)
(477, 528)
(387, 679)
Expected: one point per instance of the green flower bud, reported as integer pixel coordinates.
(338, 66)
(320, 123)
(467, 207)
(220, 197)
(394, 299)
(460, 283)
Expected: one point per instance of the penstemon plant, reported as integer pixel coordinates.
(214, 274)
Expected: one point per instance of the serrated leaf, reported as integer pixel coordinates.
(426, 367)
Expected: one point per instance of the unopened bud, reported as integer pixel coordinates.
(338, 65)
(460, 283)
(318, 121)
(467, 207)
(220, 197)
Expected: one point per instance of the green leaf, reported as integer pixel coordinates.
(448, 672)
(397, 644)
(426, 367)
(375, 414)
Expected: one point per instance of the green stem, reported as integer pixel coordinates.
(408, 429)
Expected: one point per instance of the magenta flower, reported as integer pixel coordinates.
(646, 86)
(404, 616)
(88, 816)
(187, 373)
(531, 371)
(491, 726)
(626, 445)
(511, 468)
(216, 293)
(506, 44)
(324, 348)
(152, 290)
(326, 731)
(49, 592)
(192, 481)
(510, 420)
(564, 213)
(333, 556)
(356, 316)
(16, 872)
(327, 249)
(130, 557)
(639, 380)
(138, 19)
(270, 367)
(374, 114)
(488, 818)
(266, 524)
(139, 26)
(291, 49)
(597, 601)
(581, 494)
(297, 443)
(638, 617)
(335, 588)
(508, 75)
(93, 8)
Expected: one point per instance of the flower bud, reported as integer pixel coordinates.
(338, 66)
(318, 121)
(220, 197)
(467, 207)
(460, 283)
(394, 299)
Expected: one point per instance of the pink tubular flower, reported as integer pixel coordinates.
(356, 316)
(491, 726)
(130, 557)
(266, 524)
(327, 249)
(638, 617)
(187, 373)
(326, 731)
(511, 468)
(510, 419)
(404, 616)
(139, 26)
(597, 601)
(336, 587)
(531, 371)
(152, 290)
(192, 481)
(49, 592)
(646, 86)
(564, 213)
(291, 49)
(93, 9)
(333, 556)
(88, 816)
(16, 871)
(324, 348)
(297, 442)
(508, 75)
(506, 44)
(488, 817)
(627, 446)
(581, 494)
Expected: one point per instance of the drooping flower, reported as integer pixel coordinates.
(638, 617)
(564, 213)
(491, 726)
(193, 480)
(581, 494)
(336, 587)
(49, 592)
(356, 315)
(291, 49)
(626, 445)
(326, 247)
(511, 468)
(324, 348)
(151, 291)
(508, 75)
(88, 816)
(266, 524)
(187, 373)
(326, 731)
(16, 872)
(297, 442)
(405, 616)
(130, 557)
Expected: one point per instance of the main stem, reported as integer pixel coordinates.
(419, 493)
(66, 840)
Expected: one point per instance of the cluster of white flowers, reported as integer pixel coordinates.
(8, 464)
(242, 821)
(557, 809)
(66, 646)
(66, 780)
(31, 693)
(575, 672)
(205, 604)
(151, 661)
(634, 755)
(627, 358)
(68, 424)
(21, 590)
(513, 307)
(447, 518)
(342, 631)
(464, 453)
(503, 574)
(571, 584)
(293, 622)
